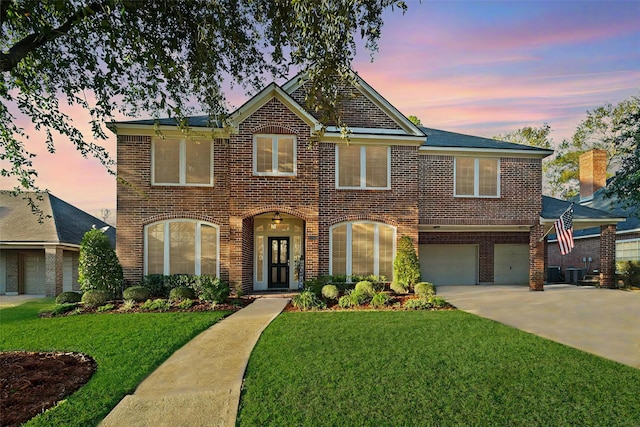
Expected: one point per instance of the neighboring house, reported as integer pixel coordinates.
(268, 200)
(587, 252)
(41, 257)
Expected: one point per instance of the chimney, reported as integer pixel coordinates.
(593, 173)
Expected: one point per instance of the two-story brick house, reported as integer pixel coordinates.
(268, 200)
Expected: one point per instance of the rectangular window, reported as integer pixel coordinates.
(274, 155)
(182, 162)
(359, 166)
(182, 250)
(628, 250)
(155, 249)
(209, 250)
(362, 253)
(477, 177)
(339, 250)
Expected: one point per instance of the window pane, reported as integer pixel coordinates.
(166, 161)
(349, 166)
(285, 154)
(198, 162)
(155, 249)
(377, 164)
(362, 248)
(488, 176)
(464, 176)
(182, 248)
(339, 250)
(208, 250)
(385, 256)
(264, 154)
(260, 258)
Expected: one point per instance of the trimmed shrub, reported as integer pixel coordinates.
(68, 298)
(399, 288)
(182, 293)
(98, 266)
(211, 289)
(406, 268)
(417, 304)
(63, 308)
(379, 300)
(307, 300)
(96, 298)
(158, 284)
(628, 274)
(424, 289)
(330, 292)
(365, 287)
(438, 302)
(156, 305)
(136, 293)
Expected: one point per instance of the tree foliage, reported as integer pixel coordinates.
(415, 120)
(603, 128)
(98, 266)
(157, 57)
(529, 135)
(626, 182)
(406, 268)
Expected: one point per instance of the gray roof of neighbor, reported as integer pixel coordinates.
(552, 208)
(615, 208)
(442, 138)
(63, 223)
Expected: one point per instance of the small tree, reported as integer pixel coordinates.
(406, 268)
(99, 267)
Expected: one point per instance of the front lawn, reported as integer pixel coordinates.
(127, 348)
(427, 369)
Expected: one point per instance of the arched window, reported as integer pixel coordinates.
(362, 248)
(181, 246)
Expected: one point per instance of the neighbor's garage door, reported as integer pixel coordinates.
(510, 264)
(449, 264)
(34, 274)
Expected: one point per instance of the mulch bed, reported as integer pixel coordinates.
(32, 382)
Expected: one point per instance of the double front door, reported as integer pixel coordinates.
(278, 259)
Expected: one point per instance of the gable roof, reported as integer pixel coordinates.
(443, 141)
(586, 220)
(63, 223)
(613, 206)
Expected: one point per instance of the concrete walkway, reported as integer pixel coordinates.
(605, 322)
(199, 385)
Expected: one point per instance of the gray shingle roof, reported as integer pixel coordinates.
(64, 224)
(442, 138)
(193, 121)
(615, 208)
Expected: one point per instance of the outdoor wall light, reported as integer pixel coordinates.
(276, 219)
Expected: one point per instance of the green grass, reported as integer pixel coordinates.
(127, 348)
(427, 369)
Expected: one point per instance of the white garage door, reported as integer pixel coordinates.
(3, 273)
(449, 264)
(511, 264)
(67, 272)
(34, 274)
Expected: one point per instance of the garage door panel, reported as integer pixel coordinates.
(34, 274)
(449, 264)
(511, 264)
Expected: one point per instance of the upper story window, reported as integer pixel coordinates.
(181, 246)
(477, 177)
(274, 155)
(181, 162)
(363, 166)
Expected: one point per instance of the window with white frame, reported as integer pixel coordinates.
(628, 250)
(182, 162)
(362, 248)
(274, 155)
(363, 166)
(181, 246)
(477, 177)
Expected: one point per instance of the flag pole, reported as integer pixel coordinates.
(551, 228)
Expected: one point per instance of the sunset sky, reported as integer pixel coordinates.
(477, 67)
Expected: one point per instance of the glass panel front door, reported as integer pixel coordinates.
(278, 262)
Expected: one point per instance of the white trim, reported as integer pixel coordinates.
(440, 228)
(169, 131)
(275, 138)
(476, 179)
(373, 138)
(363, 169)
(167, 244)
(38, 245)
(182, 166)
(349, 245)
(369, 131)
(483, 152)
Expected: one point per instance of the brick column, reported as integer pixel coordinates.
(235, 252)
(53, 257)
(607, 255)
(536, 258)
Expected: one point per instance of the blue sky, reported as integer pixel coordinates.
(477, 67)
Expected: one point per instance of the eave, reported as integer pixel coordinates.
(486, 152)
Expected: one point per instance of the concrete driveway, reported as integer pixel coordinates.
(605, 322)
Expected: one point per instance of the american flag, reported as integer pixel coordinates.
(564, 231)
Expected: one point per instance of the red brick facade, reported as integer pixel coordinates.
(421, 194)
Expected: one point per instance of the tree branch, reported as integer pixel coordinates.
(8, 61)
